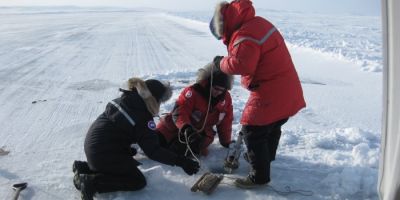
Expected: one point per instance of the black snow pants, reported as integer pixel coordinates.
(115, 173)
(262, 143)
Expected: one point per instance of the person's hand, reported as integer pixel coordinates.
(187, 130)
(192, 136)
(188, 165)
(217, 61)
(196, 138)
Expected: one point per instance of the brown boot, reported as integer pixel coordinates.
(247, 183)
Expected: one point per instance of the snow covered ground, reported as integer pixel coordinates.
(58, 70)
(345, 37)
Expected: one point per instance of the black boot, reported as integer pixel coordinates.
(77, 182)
(86, 186)
(79, 167)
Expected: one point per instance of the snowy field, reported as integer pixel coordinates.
(59, 69)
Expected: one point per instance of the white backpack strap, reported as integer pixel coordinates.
(123, 112)
(259, 42)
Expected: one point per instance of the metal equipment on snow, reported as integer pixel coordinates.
(18, 188)
(231, 161)
(207, 183)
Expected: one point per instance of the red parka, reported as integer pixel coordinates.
(191, 109)
(257, 52)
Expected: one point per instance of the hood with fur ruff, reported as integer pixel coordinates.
(152, 104)
(229, 17)
(219, 77)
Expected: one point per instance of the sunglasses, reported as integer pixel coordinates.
(220, 89)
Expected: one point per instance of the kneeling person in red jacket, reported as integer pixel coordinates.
(199, 108)
(126, 120)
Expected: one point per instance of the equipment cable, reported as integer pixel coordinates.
(198, 131)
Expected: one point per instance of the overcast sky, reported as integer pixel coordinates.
(365, 7)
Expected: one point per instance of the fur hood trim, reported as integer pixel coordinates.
(218, 19)
(153, 106)
(204, 74)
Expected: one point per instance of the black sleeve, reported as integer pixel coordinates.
(150, 145)
(118, 118)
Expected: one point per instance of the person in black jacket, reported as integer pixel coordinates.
(126, 120)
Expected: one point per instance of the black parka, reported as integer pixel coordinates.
(108, 141)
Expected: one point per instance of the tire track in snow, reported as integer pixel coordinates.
(166, 46)
(56, 66)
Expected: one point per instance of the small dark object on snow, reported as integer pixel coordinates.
(18, 188)
(3, 152)
(33, 102)
(207, 183)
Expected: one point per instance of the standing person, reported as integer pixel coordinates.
(199, 108)
(257, 52)
(126, 120)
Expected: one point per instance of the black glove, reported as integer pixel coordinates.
(188, 165)
(188, 130)
(196, 138)
(217, 61)
(192, 136)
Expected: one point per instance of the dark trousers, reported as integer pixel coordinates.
(262, 143)
(180, 148)
(115, 173)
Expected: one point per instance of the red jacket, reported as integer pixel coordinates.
(257, 52)
(191, 108)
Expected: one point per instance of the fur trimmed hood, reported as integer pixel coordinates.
(145, 92)
(229, 17)
(219, 77)
(217, 22)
